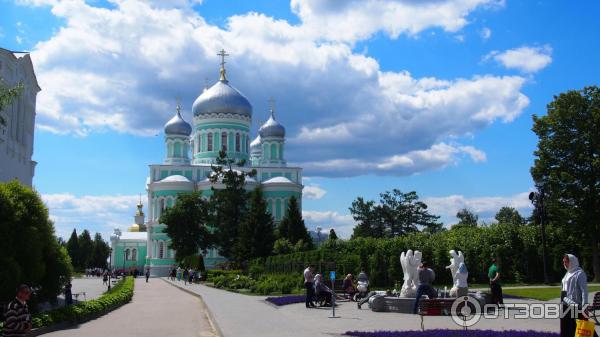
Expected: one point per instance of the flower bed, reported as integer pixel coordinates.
(453, 333)
(284, 300)
(118, 295)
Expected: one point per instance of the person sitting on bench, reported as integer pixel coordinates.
(426, 277)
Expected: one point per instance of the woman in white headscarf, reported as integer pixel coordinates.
(462, 274)
(574, 294)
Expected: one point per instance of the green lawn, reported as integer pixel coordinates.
(544, 294)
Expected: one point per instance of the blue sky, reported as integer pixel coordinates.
(432, 96)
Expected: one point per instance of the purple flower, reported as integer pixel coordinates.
(284, 300)
(452, 333)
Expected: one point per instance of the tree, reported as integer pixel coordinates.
(466, 218)
(100, 252)
(282, 246)
(256, 233)
(7, 95)
(397, 214)
(292, 226)
(332, 235)
(86, 249)
(186, 225)
(30, 252)
(73, 249)
(228, 204)
(509, 215)
(567, 165)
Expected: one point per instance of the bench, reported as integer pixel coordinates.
(594, 308)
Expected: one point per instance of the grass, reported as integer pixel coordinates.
(544, 294)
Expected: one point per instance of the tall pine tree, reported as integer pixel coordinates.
(100, 252)
(73, 249)
(86, 249)
(292, 226)
(256, 232)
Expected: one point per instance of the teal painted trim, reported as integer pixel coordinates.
(173, 193)
(215, 154)
(277, 209)
(161, 262)
(280, 194)
(288, 175)
(188, 174)
(164, 174)
(236, 126)
(174, 172)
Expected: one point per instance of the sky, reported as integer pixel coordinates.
(435, 96)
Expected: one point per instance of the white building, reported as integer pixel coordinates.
(18, 119)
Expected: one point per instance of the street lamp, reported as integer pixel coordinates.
(537, 199)
(109, 265)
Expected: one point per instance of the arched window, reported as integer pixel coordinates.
(237, 142)
(177, 150)
(224, 141)
(266, 151)
(134, 254)
(161, 250)
(209, 142)
(199, 145)
(127, 254)
(273, 151)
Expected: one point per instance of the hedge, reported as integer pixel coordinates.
(264, 284)
(517, 249)
(118, 295)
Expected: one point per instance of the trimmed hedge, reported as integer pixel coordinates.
(118, 295)
(264, 284)
(213, 273)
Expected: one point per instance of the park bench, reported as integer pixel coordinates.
(594, 308)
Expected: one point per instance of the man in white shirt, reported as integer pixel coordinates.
(308, 284)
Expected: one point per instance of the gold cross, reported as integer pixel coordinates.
(222, 70)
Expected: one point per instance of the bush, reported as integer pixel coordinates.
(213, 273)
(278, 283)
(118, 295)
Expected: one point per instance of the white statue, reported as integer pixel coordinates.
(410, 262)
(455, 261)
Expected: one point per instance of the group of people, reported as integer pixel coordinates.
(188, 275)
(94, 272)
(317, 288)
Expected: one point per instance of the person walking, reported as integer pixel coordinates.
(147, 274)
(308, 284)
(495, 287)
(68, 294)
(426, 278)
(178, 273)
(17, 320)
(186, 275)
(462, 286)
(573, 295)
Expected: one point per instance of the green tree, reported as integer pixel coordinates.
(256, 233)
(509, 215)
(567, 165)
(332, 235)
(7, 95)
(292, 226)
(30, 252)
(100, 252)
(228, 204)
(86, 249)
(282, 246)
(466, 218)
(186, 225)
(397, 214)
(73, 249)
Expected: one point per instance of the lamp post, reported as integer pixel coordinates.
(109, 265)
(537, 199)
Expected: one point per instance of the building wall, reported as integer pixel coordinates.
(16, 137)
(120, 262)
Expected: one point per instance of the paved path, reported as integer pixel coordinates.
(157, 310)
(92, 286)
(242, 316)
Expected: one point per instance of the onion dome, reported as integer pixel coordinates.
(177, 126)
(272, 128)
(255, 146)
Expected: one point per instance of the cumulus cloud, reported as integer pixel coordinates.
(95, 213)
(342, 223)
(313, 191)
(485, 207)
(122, 68)
(526, 59)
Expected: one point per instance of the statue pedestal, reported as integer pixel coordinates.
(402, 305)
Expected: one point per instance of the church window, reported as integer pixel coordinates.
(177, 150)
(237, 142)
(161, 250)
(127, 254)
(273, 151)
(281, 151)
(209, 142)
(266, 151)
(134, 254)
(199, 145)
(224, 141)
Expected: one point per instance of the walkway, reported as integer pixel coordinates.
(157, 310)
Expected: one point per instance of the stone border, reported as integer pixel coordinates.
(209, 315)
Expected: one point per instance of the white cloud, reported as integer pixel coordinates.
(18, 39)
(95, 213)
(313, 191)
(342, 223)
(485, 207)
(526, 59)
(122, 68)
(485, 33)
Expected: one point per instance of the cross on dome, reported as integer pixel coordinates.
(272, 105)
(222, 70)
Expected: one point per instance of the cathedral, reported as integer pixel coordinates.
(222, 118)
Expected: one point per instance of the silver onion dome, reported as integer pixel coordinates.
(271, 128)
(178, 126)
(256, 146)
(222, 98)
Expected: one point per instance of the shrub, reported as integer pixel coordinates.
(211, 274)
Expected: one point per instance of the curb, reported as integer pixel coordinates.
(209, 315)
